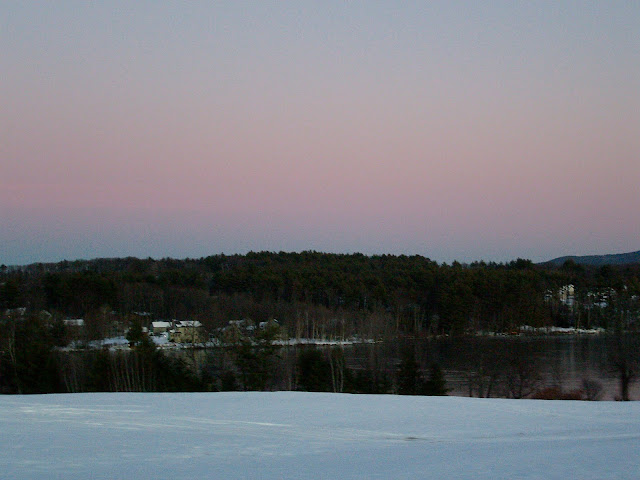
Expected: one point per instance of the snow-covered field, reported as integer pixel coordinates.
(312, 435)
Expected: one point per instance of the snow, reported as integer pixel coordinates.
(161, 324)
(322, 341)
(562, 330)
(261, 435)
(162, 340)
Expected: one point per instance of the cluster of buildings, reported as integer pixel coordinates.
(180, 331)
(164, 331)
(566, 295)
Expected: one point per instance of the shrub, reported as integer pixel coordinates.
(592, 389)
(556, 393)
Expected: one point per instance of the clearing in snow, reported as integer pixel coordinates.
(256, 435)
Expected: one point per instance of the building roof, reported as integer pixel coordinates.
(74, 322)
(188, 323)
(161, 324)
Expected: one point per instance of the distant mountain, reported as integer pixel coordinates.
(599, 260)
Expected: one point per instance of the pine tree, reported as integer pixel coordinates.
(409, 378)
(135, 334)
(436, 385)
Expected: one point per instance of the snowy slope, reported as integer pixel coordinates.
(314, 436)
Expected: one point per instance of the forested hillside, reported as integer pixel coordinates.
(317, 294)
(50, 313)
(600, 260)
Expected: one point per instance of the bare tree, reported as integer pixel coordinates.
(489, 359)
(337, 364)
(624, 360)
(592, 389)
(521, 371)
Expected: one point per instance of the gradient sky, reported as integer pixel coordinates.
(453, 130)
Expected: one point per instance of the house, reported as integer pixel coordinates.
(16, 312)
(567, 295)
(239, 330)
(160, 327)
(234, 331)
(74, 327)
(74, 322)
(187, 331)
(273, 329)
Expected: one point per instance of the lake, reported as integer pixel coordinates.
(495, 366)
(562, 360)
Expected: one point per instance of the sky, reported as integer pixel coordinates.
(455, 130)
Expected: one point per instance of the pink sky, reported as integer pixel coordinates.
(489, 133)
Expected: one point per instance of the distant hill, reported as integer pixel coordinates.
(599, 260)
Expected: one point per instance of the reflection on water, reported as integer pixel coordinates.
(564, 361)
(561, 360)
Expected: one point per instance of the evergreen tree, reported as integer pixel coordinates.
(436, 385)
(409, 378)
(314, 371)
(135, 334)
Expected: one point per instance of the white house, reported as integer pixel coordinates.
(160, 327)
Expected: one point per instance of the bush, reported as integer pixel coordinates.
(556, 393)
(314, 371)
(436, 385)
(592, 389)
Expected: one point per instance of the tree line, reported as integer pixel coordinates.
(318, 294)
(33, 360)
(312, 295)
